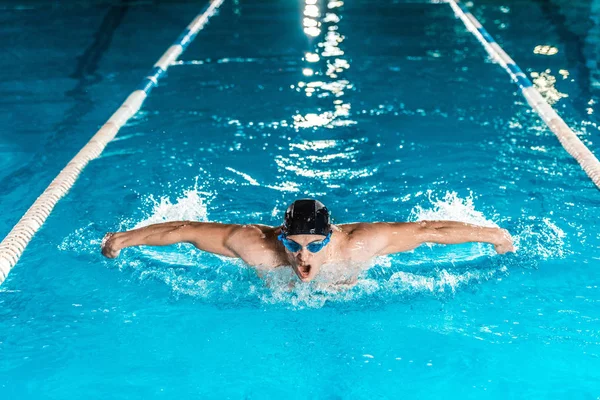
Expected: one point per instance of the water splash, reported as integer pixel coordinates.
(534, 237)
(429, 271)
(191, 206)
(373, 290)
(540, 238)
(82, 240)
(450, 207)
(226, 281)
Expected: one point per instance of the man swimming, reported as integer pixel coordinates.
(307, 240)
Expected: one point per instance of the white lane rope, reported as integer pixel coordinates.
(568, 139)
(12, 247)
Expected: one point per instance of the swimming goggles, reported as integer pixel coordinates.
(294, 247)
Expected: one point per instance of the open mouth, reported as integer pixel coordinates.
(304, 271)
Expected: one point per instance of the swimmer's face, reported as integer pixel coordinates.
(306, 264)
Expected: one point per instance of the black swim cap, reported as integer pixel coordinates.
(307, 217)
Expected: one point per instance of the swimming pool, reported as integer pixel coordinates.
(400, 117)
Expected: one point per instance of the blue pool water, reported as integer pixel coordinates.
(402, 117)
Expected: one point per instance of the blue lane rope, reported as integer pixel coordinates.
(568, 139)
(12, 247)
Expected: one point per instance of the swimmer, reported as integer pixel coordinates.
(307, 240)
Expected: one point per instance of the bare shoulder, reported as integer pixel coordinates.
(348, 229)
(256, 244)
(359, 241)
(251, 235)
(373, 229)
(369, 239)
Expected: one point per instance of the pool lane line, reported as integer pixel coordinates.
(568, 139)
(13, 245)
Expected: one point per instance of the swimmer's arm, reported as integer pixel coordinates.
(454, 232)
(397, 237)
(207, 236)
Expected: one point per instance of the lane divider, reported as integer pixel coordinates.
(569, 140)
(12, 247)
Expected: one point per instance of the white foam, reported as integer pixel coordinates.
(534, 237)
(395, 288)
(541, 238)
(437, 271)
(80, 240)
(450, 208)
(189, 207)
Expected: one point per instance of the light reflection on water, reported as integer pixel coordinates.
(429, 115)
(325, 65)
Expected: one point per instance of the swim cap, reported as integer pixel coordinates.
(306, 217)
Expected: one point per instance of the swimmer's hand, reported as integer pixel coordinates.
(109, 246)
(504, 242)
